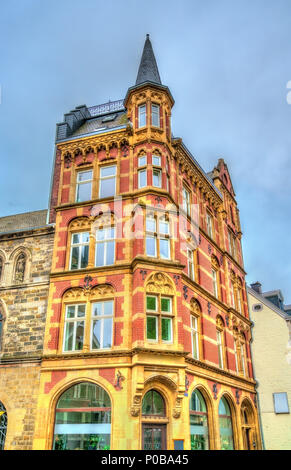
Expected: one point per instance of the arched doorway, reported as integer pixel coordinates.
(83, 419)
(154, 434)
(198, 422)
(248, 426)
(225, 425)
(3, 425)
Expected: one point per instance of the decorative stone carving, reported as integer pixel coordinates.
(159, 283)
(119, 378)
(195, 307)
(102, 289)
(136, 406)
(20, 268)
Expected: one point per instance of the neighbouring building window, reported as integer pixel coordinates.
(105, 246)
(83, 419)
(159, 326)
(198, 422)
(74, 327)
(281, 403)
(225, 426)
(102, 325)
(107, 181)
(209, 224)
(142, 116)
(84, 186)
(155, 115)
(3, 425)
(186, 200)
(79, 250)
(153, 404)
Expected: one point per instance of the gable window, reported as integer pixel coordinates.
(105, 246)
(155, 115)
(186, 200)
(107, 181)
(142, 115)
(79, 250)
(84, 186)
(159, 319)
(209, 224)
(102, 321)
(74, 327)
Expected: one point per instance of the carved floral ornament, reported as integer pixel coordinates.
(159, 283)
(214, 262)
(195, 306)
(80, 293)
(70, 150)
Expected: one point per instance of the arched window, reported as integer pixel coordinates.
(198, 422)
(3, 425)
(225, 425)
(153, 404)
(220, 342)
(248, 426)
(20, 267)
(195, 328)
(83, 419)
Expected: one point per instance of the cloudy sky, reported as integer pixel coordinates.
(227, 63)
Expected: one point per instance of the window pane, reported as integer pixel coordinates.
(152, 303)
(164, 227)
(156, 160)
(84, 176)
(150, 224)
(97, 308)
(107, 187)
(76, 238)
(69, 336)
(142, 178)
(110, 253)
(281, 403)
(84, 192)
(142, 160)
(165, 248)
(151, 246)
(153, 404)
(81, 309)
(166, 329)
(108, 308)
(107, 333)
(155, 115)
(70, 311)
(84, 256)
(100, 254)
(152, 328)
(166, 305)
(75, 258)
(142, 115)
(85, 237)
(108, 171)
(96, 334)
(79, 335)
(156, 178)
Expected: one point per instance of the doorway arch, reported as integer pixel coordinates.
(154, 417)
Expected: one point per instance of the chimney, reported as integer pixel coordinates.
(257, 286)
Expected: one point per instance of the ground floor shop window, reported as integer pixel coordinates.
(83, 419)
(3, 425)
(198, 422)
(225, 425)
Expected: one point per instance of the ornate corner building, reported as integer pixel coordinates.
(147, 335)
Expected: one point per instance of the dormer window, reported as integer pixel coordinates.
(155, 115)
(142, 115)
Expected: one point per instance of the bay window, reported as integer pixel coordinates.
(142, 115)
(155, 115)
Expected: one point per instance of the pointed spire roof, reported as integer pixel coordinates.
(148, 69)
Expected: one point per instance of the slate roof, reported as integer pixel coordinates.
(148, 69)
(26, 221)
(105, 122)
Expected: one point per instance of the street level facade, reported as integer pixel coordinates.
(147, 334)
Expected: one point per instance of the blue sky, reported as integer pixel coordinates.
(227, 64)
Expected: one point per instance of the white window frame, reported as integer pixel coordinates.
(186, 200)
(190, 263)
(139, 164)
(151, 234)
(167, 315)
(214, 282)
(209, 224)
(157, 170)
(142, 113)
(74, 320)
(105, 242)
(103, 178)
(139, 181)
(79, 245)
(220, 348)
(156, 115)
(101, 318)
(79, 183)
(164, 236)
(195, 336)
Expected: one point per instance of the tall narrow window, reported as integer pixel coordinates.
(74, 327)
(142, 172)
(155, 115)
(214, 282)
(84, 186)
(232, 244)
(220, 348)
(107, 181)
(232, 295)
(225, 426)
(102, 321)
(79, 250)
(198, 422)
(105, 246)
(159, 319)
(195, 337)
(236, 355)
(209, 224)
(186, 200)
(164, 232)
(215, 276)
(151, 237)
(156, 160)
(157, 178)
(190, 262)
(142, 116)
